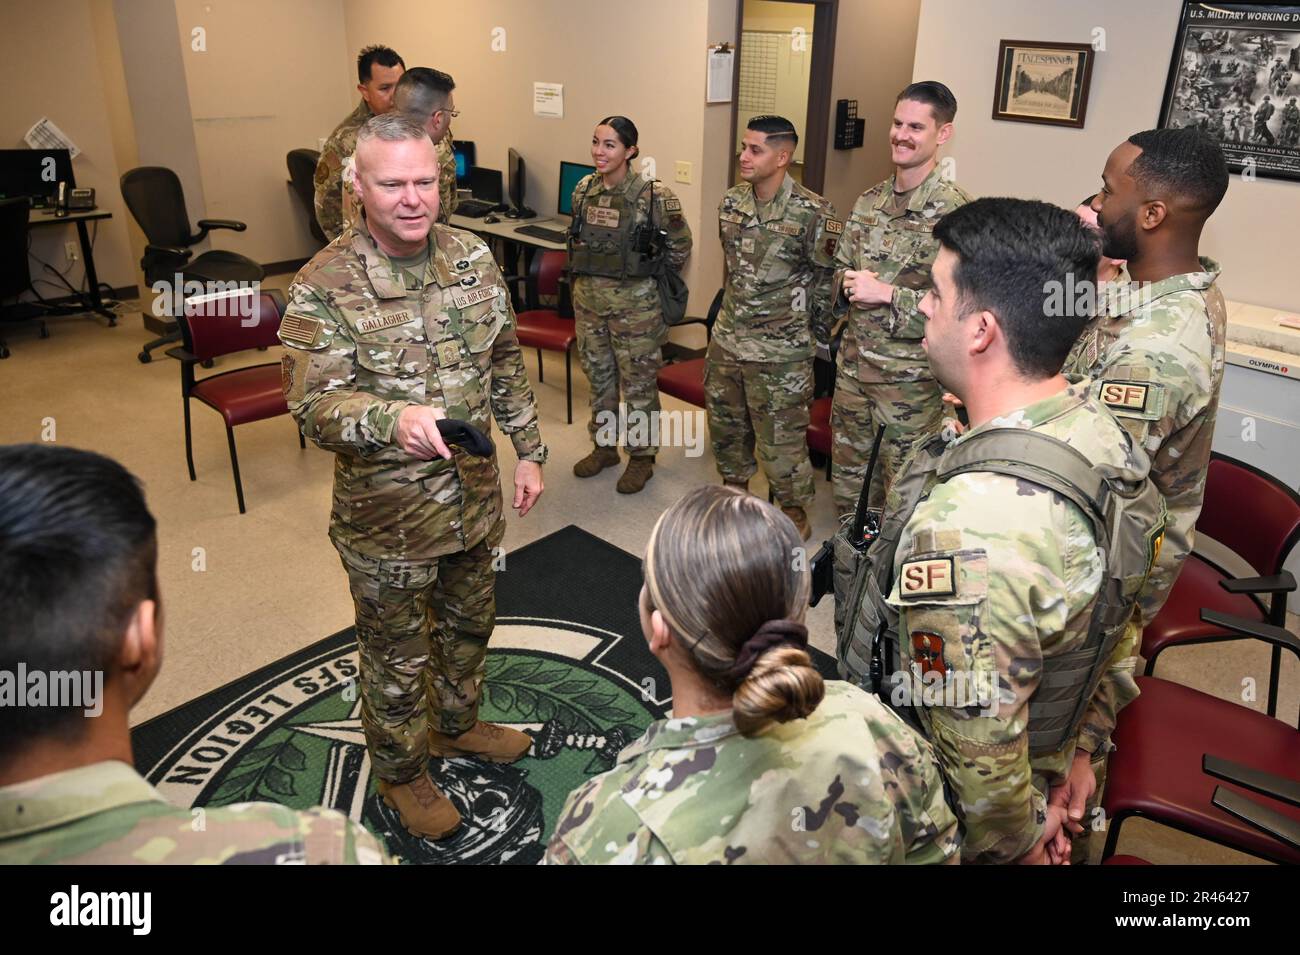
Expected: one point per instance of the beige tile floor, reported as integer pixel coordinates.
(241, 591)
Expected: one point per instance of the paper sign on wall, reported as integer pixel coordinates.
(722, 61)
(548, 100)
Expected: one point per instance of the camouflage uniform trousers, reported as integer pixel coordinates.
(908, 410)
(622, 349)
(422, 636)
(763, 407)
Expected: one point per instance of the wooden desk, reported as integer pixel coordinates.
(46, 217)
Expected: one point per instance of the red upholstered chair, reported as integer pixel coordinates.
(222, 324)
(819, 430)
(548, 329)
(1257, 518)
(684, 379)
(1171, 762)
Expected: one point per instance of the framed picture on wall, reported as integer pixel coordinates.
(1235, 73)
(1042, 82)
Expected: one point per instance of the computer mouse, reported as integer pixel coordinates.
(491, 219)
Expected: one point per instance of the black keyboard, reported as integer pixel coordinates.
(474, 208)
(541, 232)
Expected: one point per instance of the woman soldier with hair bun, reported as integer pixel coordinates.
(624, 226)
(762, 761)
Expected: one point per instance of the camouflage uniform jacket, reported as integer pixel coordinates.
(604, 294)
(1156, 358)
(360, 348)
(340, 146)
(106, 813)
(447, 197)
(991, 576)
(883, 343)
(780, 262)
(850, 784)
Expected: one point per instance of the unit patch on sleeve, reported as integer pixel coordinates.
(1125, 395)
(927, 577)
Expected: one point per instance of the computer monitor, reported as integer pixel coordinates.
(35, 173)
(571, 174)
(515, 179)
(485, 184)
(466, 156)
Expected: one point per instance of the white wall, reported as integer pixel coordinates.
(1251, 234)
(272, 77)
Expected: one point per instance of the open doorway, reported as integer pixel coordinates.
(785, 57)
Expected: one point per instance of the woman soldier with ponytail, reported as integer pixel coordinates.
(623, 227)
(762, 761)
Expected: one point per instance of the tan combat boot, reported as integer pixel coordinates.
(639, 470)
(597, 461)
(800, 519)
(421, 806)
(496, 744)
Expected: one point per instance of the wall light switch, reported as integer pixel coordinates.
(683, 172)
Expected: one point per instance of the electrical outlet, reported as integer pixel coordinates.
(683, 172)
(72, 251)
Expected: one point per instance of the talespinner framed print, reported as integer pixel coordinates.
(1042, 82)
(1235, 73)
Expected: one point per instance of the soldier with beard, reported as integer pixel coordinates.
(1164, 335)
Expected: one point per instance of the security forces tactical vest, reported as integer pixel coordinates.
(1127, 515)
(604, 239)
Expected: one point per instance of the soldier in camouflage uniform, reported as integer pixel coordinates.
(884, 258)
(1155, 355)
(79, 548)
(778, 240)
(615, 249)
(378, 70)
(995, 579)
(399, 323)
(105, 813)
(799, 771)
(1289, 137)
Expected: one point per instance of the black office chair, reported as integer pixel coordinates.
(15, 276)
(156, 200)
(302, 174)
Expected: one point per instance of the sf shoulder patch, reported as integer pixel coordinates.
(1128, 398)
(300, 330)
(1125, 395)
(672, 205)
(927, 577)
(834, 226)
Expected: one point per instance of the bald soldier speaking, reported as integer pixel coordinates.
(397, 323)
